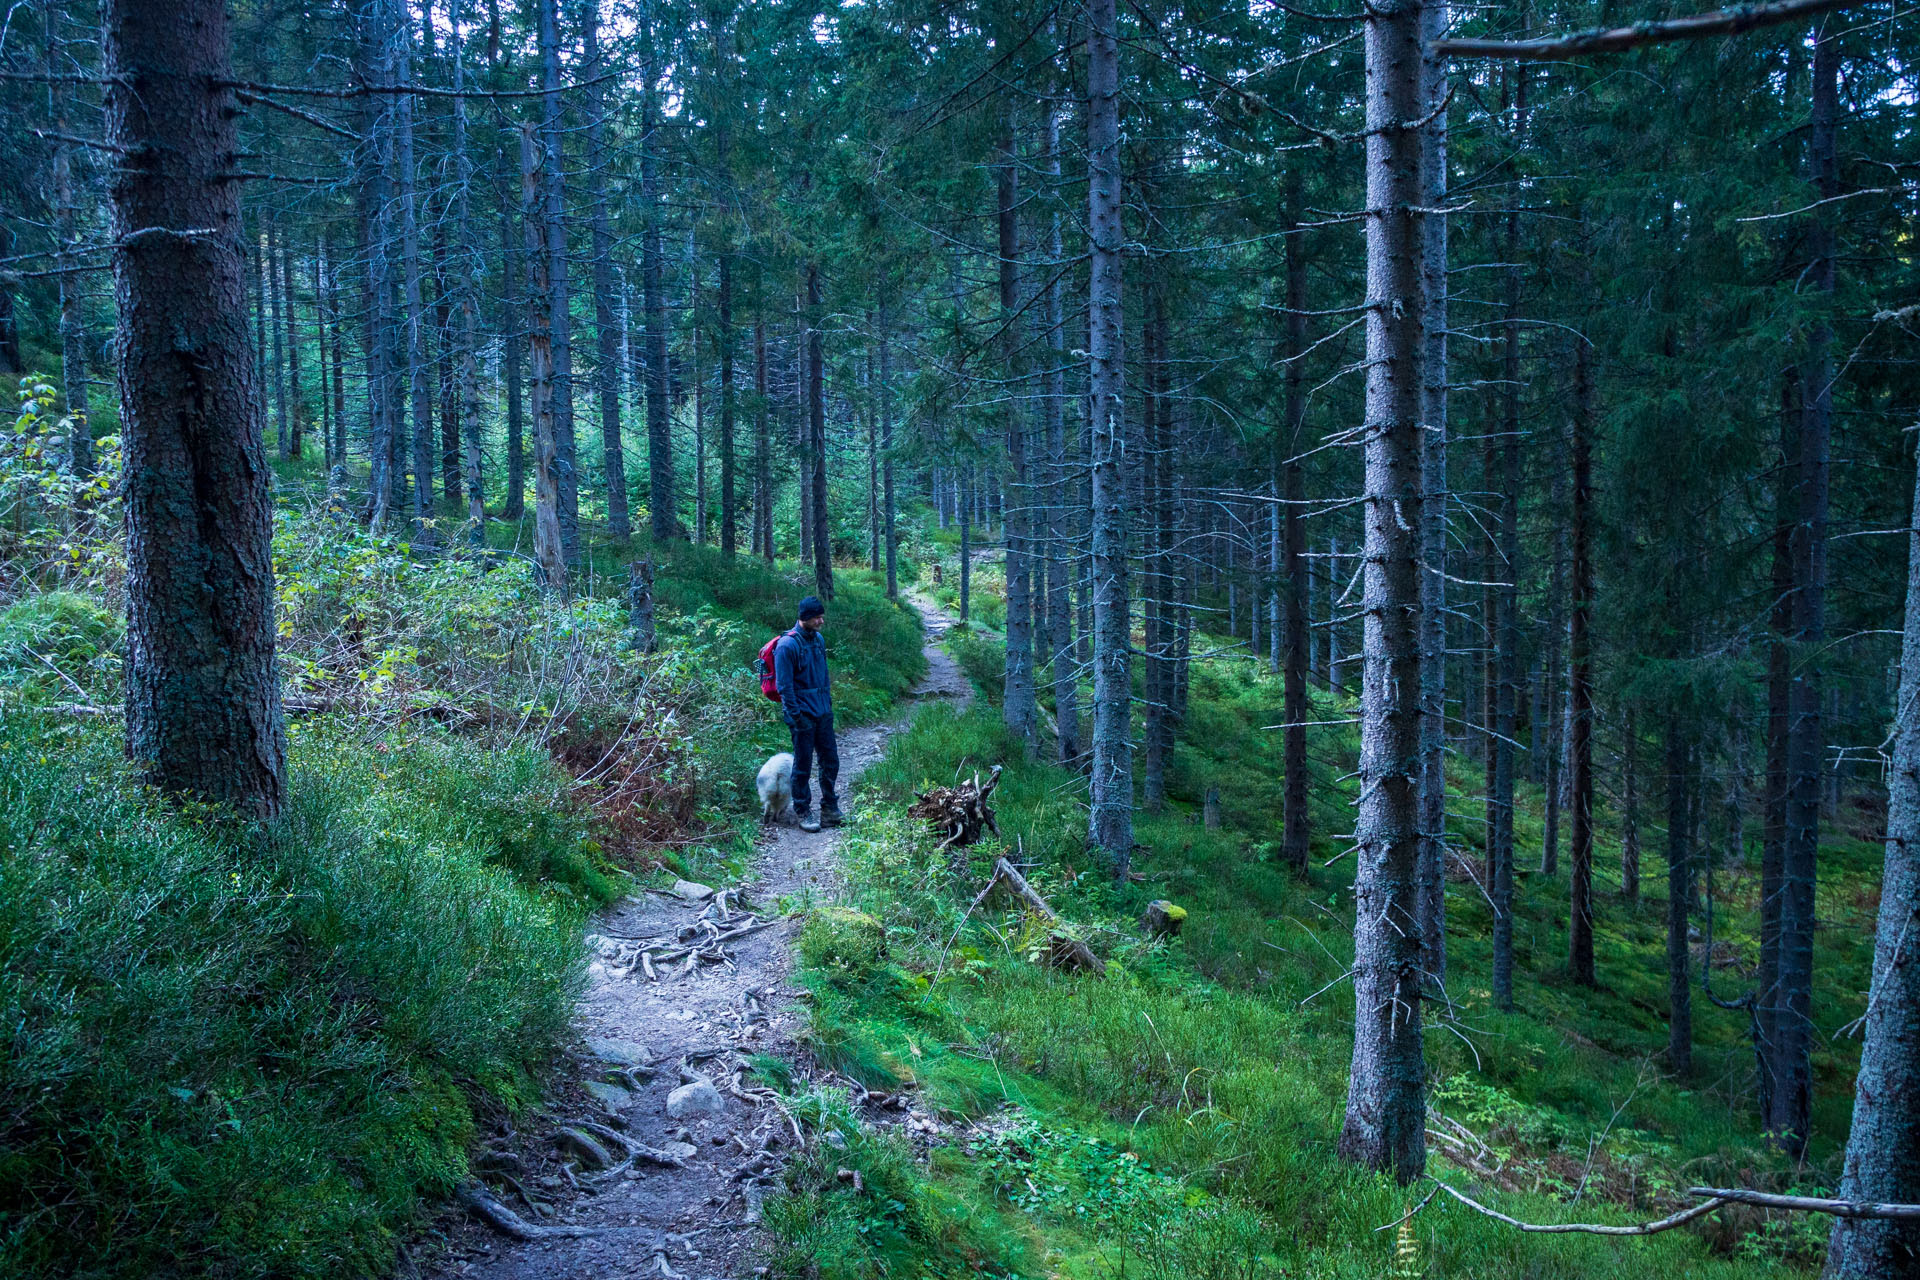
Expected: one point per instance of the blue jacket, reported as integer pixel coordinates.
(800, 673)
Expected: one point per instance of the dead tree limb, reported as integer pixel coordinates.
(1587, 1228)
(1811, 1204)
(506, 1221)
(1718, 22)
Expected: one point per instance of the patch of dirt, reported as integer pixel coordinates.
(698, 1220)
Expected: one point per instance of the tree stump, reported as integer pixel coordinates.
(640, 604)
(1210, 809)
(961, 814)
(1163, 919)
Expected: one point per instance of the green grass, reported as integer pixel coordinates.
(1219, 1061)
(254, 1052)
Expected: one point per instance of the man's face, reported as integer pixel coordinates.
(814, 623)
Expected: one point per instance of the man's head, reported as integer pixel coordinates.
(813, 613)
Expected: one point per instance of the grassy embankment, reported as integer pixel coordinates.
(237, 1051)
(1178, 1117)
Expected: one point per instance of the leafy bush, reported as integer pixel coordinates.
(260, 1049)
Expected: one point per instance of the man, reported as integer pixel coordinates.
(800, 673)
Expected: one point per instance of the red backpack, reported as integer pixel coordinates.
(765, 663)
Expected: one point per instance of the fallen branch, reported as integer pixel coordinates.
(1811, 1204)
(509, 1223)
(1587, 1228)
(1719, 22)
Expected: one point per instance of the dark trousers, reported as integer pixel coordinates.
(811, 736)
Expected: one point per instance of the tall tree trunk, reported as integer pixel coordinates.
(1435, 18)
(1018, 705)
(386, 482)
(729, 507)
(1679, 898)
(336, 355)
(1793, 1030)
(275, 308)
(1580, 678)
(549, 546)
(447, 357)
(512, 309)
(203, 698)
(1883, 1146)
(1547, 734)
(762, 445)
(817, 438)
(885, 393)
(962, 500)
(73, 323)
(1779, 693)
(1155, 502)
(1066, 680)
(322, 327)
(1295, 819)
(466, 282)
(1630, 808)
(873, 456)
(606, 374)
(1110, 818)
(420, 372)
(296, 402)
(560, 320)
(663, 499)
(1385, 1126)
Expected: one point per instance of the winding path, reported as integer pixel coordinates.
(698, 1220)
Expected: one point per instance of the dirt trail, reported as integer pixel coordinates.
(697, 1220)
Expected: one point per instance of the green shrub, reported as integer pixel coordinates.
(258, 1050)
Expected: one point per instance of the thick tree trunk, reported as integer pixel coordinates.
(549, 547)
(606, 374)
(662, 497)
(1580, 679)
(203, 698)
(1110, 819)
(1679, 898)
(817, 439)
(1883, 1146)
(1385, 1126)
(1793, 1028)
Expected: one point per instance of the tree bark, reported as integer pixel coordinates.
(1793, 1029)
(1019, 705)
(1296, 820)
(560, 312)
(1385, 1126)
(466, 283)
(204, 717)
(512, 336)
(549, 547)
(1580, 678)
(817, 439)
(1435, 18)
(1110, 818)
(729, 505)
(762, 446)
(274, 305)
(887, 513)
(73, 323)
(1064, 669)
(606, 374)
(1883, 1146)
(1679, 898)
(419, 371)
(662, 496)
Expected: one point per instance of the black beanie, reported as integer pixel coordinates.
(811, 608)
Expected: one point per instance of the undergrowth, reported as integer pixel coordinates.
(1200, 1083)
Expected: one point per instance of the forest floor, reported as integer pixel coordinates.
(662, 1063)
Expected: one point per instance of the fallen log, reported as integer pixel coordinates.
(506, 1221)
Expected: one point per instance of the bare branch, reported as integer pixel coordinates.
(1718, 22)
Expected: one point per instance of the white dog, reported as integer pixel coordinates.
(775, 784)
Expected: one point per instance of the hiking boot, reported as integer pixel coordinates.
(831, 817)
(808, 822)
